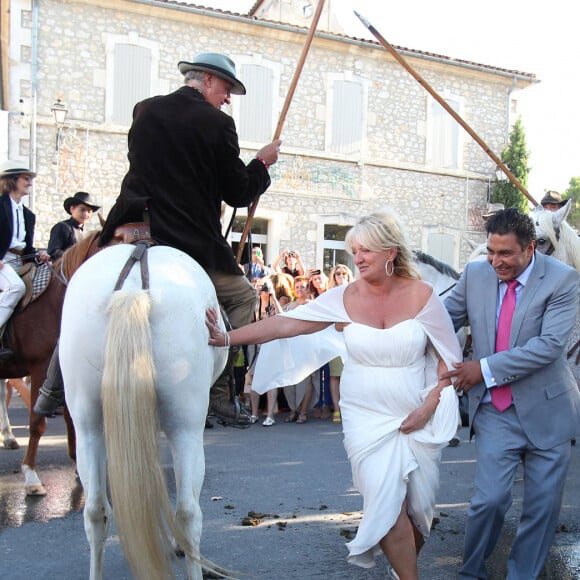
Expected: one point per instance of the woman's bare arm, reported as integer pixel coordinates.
(260, 332)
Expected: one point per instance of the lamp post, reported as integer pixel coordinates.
(60, 112)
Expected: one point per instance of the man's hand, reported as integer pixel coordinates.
(269, 153)
(467, 374)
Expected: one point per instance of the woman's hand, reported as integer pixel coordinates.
(216, 336)
(415, 421)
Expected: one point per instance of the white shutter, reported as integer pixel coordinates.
(132, 80)
(445, 142)
(347, 117)
(255, 118)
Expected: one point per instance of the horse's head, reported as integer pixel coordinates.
(548, 224)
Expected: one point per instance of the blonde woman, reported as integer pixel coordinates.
(397, 415)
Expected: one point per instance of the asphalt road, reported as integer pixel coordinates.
(297, 481)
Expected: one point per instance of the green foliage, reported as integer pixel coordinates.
(515, 156)
(573, 193)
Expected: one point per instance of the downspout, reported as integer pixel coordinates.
(508, 107)
(33, 94)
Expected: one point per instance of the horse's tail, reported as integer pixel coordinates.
(139, 495)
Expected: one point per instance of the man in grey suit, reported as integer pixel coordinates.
(541, 409)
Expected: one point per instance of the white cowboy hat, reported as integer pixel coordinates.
(9, 167)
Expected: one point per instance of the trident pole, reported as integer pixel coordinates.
(444, 104)
(282, 117)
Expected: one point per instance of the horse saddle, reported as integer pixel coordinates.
(130, 233)
(36, 278)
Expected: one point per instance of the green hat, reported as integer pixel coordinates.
(216, 64)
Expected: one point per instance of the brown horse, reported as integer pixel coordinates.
(32, 337)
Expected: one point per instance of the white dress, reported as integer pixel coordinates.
(387, 374)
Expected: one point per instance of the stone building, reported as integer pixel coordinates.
(361, 134)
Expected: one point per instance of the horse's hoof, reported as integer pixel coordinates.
(11, 444)
(35, 490)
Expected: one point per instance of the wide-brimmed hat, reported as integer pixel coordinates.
(553, 197)
(78, 198)
(491, 209)
(217, 64)
(10, 167)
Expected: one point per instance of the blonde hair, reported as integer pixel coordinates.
(349, 274)
(380, 231)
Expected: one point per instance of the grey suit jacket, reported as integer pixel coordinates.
(545, 393)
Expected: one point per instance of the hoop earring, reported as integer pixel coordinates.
(390, 263)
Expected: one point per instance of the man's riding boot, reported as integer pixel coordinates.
(51, 395)
(220, 400)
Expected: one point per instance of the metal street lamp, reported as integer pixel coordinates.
(60, 112)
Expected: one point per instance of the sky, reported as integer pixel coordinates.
(525, 35)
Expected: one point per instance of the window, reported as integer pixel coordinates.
(334, 248)
(443, 139)
(259, 236)
(442, 247)
(346, 119)
(132, 80)
(254, 119)
(132, 74)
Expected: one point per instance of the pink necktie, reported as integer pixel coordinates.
(501, 397)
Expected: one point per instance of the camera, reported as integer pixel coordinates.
(292, 253)
(264, 288)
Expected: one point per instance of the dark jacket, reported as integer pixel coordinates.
(7, 227)
(63, 235)
(183, 162)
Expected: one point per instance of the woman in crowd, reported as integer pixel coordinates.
(339, 276)
(283, 285)
(289, 262)
(266, 307)
(317, 283)
(298, 396)
(396, 413)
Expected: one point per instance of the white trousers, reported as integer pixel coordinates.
(12, 290)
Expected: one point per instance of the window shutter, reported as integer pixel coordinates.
(255, 118)
(347, 117)
(132, 80)
(445, 142)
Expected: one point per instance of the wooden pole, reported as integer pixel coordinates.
(282, 117)
(444, 104)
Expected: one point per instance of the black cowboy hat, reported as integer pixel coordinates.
(78, 198)
(553, 197)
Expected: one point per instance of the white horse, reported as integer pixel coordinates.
(439, 274)
(136, 361)
(555, 237)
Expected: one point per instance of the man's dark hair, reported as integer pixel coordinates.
(512, 221)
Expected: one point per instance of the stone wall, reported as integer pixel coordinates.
(310, 185)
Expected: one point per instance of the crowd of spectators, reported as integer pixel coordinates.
(283, 286)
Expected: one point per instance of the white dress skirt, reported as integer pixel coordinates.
(387, 374)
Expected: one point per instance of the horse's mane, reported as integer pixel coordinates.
(79, 253)
(441, 267)
(567, 245)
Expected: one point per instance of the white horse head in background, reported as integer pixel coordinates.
(555, 236)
